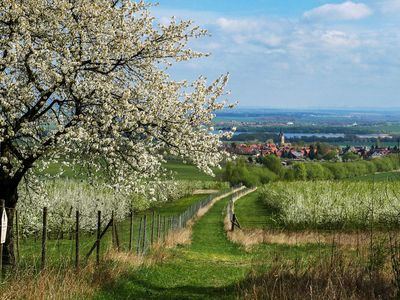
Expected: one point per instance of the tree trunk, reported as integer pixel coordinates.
(9, 193)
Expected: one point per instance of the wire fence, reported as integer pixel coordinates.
(231, 206)
(70, 244)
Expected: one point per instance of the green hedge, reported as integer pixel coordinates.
(341, 170)
(240, 171)
(252, 175)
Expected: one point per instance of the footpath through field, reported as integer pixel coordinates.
(209, 268)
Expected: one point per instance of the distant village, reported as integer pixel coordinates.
(296, 152)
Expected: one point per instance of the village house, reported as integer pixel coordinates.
(288, 151)
(283, 149)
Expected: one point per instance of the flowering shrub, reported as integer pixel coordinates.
(64, 197)
(333, 204)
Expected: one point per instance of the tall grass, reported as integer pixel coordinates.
(346, 280)
(67, 282)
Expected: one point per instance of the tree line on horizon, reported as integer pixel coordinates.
(270, 169)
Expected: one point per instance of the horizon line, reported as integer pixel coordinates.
(382, 108)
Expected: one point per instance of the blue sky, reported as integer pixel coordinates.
(294, 54)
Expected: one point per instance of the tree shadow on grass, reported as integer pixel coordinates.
(279, 282)
(134, 288)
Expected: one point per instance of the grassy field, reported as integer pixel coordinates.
(210, 268)
(251, 212)
(187, 172)
(180, 171)
(177, 207)
(322, 205)
(386, 176)
(61, 251)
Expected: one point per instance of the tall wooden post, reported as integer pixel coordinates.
(144, 234)
(44, 237)
(98, 237)
(138, 238)
(165, 228)
(116, 236)
(112, 229)
(77, 239)
(17, 233)
(158, 227)
(131, 231)
(152, 228)
(2, 206)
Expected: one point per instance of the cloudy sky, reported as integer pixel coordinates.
(294, 53)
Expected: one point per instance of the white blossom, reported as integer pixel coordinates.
(85, 82)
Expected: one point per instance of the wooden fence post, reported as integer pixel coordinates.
(113, 230)
(164, 228)
(233, 222)
(158, 227)
(152, 228)
(131, 231)
(60, 233)
(17, 233)
(44, 237)
(77, 239)
(98, 237)
(2, 206)
(144, 234)
(70, 228)
(116, 235)
(138, 238)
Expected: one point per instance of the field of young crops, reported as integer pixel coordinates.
(333, 204)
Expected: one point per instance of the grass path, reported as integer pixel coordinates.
(207, 269)
(210, 268)
(252, 213)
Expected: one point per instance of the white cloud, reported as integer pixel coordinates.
(390, 6)
(257, 31)
(199, 17)
(344, 11)
(271, 40)
(339, 39)
(286, 58)
(238, 24)
(266, 39)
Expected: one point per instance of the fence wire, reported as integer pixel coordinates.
(60, 242)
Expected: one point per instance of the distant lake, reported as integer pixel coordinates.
(296, 135)
(318, 135)
(321, 135)
(374, 136)
(337, 135)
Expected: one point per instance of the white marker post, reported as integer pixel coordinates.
(4, 223)
(3, 233)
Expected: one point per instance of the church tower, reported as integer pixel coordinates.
(281, 138)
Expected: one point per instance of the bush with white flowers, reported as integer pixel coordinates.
(63, 197)
(334, 204)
